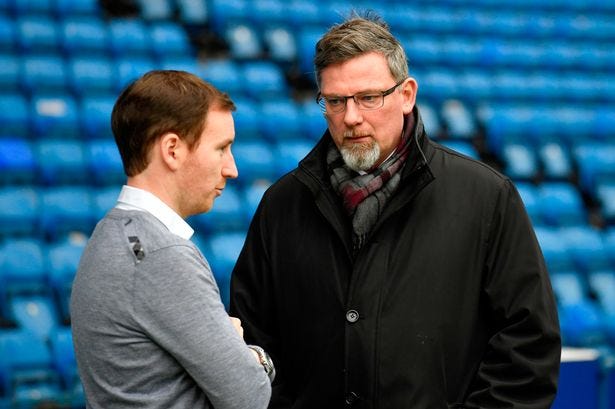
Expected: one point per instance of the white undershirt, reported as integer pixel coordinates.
(132, 198)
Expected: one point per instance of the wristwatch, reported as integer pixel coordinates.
(265, 361)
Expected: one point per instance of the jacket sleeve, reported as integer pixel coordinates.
(253, 300)
(521, 366)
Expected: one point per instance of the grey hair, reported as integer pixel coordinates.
(358, 35)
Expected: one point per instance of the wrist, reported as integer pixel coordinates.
(265, 360)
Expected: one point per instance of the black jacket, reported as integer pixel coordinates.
(448, 305)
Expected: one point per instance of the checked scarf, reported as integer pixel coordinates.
(365, 196)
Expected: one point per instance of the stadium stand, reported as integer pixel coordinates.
(527, 87)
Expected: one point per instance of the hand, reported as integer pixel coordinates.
(237, 325)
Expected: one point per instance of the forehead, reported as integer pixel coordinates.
(219, 127)
(368, 71)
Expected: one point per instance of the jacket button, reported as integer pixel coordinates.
(352, 316)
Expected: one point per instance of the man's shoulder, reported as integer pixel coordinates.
(142, 226)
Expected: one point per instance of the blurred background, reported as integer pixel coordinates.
(525, 86)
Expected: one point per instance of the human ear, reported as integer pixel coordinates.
(408, 90)
(171, 150)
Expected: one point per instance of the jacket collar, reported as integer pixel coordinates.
(421, 153)
(313, 173)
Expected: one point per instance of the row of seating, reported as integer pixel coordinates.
(439, 18)
(60, 8)
(85, 35)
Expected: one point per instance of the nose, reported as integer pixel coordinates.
(229, 169)
(352, 114)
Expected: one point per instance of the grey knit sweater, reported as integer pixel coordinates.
(148, 325)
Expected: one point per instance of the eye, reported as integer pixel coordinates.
(334, 101)
(368, 98)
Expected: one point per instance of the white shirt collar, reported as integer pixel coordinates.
(132, 198)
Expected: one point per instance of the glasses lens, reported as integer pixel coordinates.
(369, 101)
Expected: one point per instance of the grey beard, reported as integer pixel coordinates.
(361, 158)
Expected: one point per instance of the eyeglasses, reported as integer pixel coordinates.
(366, 101)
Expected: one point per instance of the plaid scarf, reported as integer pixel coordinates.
(365, 196)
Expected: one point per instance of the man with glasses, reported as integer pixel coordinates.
(387, 271)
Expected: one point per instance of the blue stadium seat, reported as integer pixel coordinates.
(605, 192)
(586, 247)
(8, 41)
(602, 283)
(66, 209)
(266, 80)
(104, 162)
(595, 162)
(225, 12)
(244, 41)
(461, 146)
(224, 250)
(555, 160)
(17, 163)
(509, 123)
(37, 33)
(63, 260)
(288, 153)
(84, 35)
(23, 269)
(254, 161)
(130, 68)
(68, 8)
(554, 249)
(169, 39)
(43, 73)
(304, 13)
(26, 369)
(247, 117)
(226, 214)
(63, 356)
(423, 50)
(193, 12)
(431, 119)
(581, 320)
(156, 9)
(439, 83)
(33, 7)
(103, 200)
(61, 161)
(280, 42)
(561, 204)
(129, 37)
(91, 75)
(265, 13)
(20, 208)
(520, 162)
(279, 120)
(458, 120)
(529, 195)
(9, 72)
(225, 74)
(187, 64)
(306, 38)
(252, 196)
(14, 115)
(312, 120)
(478, 85)
(35, 313)
(95, 116)
(54, 116)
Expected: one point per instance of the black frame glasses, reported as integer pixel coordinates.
(366, 101)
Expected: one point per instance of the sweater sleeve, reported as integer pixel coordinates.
(177, 302)
(520, 368)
